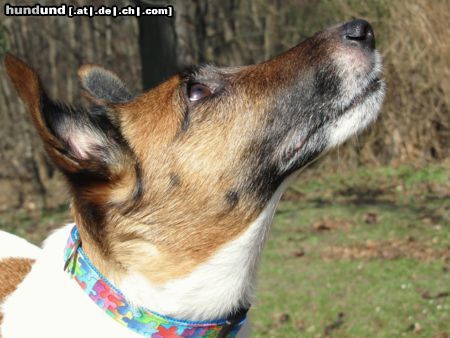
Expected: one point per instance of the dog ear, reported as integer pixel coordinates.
(102, 86)
(79, 141)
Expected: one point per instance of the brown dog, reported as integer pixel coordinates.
(174, 190)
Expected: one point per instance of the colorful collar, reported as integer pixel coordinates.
(145, 322)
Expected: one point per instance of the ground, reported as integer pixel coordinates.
(364, 253)
(360, 254)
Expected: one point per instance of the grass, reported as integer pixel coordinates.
(34, 226)
(359, 254)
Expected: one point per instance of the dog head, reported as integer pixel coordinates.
(162, 180)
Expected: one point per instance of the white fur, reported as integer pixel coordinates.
(357, 71)
(53, 306)
(363, 113)
(14, 246)
(355, 120)
(216, 287)
(49, 304)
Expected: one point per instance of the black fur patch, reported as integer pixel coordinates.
(265, 173)
(174, 180)
(139, 187)
(232, 198)
(186, 120)
(94, 222)
(327, 83)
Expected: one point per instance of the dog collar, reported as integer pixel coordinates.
(145, 322)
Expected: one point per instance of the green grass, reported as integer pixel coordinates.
(34, 226)
(371, 246)
(390, 231)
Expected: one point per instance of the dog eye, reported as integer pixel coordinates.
(198, 91)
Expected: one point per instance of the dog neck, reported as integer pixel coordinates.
(216, 288)
(138, 319)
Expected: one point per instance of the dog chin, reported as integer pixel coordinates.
(363, 111)
(357, 80)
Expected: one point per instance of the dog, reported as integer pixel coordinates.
(174, 190)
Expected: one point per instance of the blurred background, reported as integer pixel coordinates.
(360, 246)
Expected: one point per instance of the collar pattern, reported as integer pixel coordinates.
(113, 303)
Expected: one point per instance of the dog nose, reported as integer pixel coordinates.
(359, 32)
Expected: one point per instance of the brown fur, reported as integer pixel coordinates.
(12, 272)
(194, 209)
